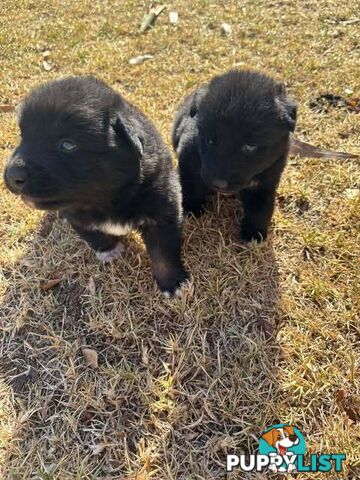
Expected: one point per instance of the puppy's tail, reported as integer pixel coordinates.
(297, 147)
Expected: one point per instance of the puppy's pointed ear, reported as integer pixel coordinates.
(193, 109)
(287, 107)
(127, 132)
(280, 89)
(198, 96)
(18, 110)
(291, 113)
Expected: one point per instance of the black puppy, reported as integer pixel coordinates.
(232, 135)
(90, 154)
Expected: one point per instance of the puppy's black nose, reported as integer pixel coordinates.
(15, 178)
(220, 184)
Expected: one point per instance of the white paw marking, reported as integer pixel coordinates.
(110, 255)
(253, 184)
(177, 293)
(117, 229)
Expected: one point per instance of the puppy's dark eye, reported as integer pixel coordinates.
(67, 146)
(209, 141)
(249, 149)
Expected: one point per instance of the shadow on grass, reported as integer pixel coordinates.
(179, 383)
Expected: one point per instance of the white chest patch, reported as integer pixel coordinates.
(117, 229)
(253, 184)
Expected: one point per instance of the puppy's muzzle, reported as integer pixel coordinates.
(228, 185)
(224, 186)
(15, 178)
(220, 184)
(214, 182)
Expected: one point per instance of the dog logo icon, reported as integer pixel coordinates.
(282, 449)
(284, 441)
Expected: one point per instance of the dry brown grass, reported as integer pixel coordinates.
(179, 383)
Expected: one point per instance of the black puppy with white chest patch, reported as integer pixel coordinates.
(232, 136)
(90, 154)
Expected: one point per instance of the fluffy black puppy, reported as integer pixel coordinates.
(232, 135)
(90, 154)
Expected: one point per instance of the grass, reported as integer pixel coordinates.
(264, 334)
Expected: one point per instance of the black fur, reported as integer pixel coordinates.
(117, 170)
(232, 135)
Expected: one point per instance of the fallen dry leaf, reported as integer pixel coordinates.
(353, 408)
(91, 357)
(48, 66)
(340, 396)
(47, 284)
(145, 356)
(140, 59)
(150, 18)
(225, 29)
(25, 416)
(91, 286)
(99, 448)
(348, 404)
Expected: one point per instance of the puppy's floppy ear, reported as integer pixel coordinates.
(126, 132)
(289, 429)
(270, 437)
(198, 96)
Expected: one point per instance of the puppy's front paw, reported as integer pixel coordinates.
(195, 212)
(172, 287)
(110, 255)
(168, 294)
(248, 234)
(195, 209)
